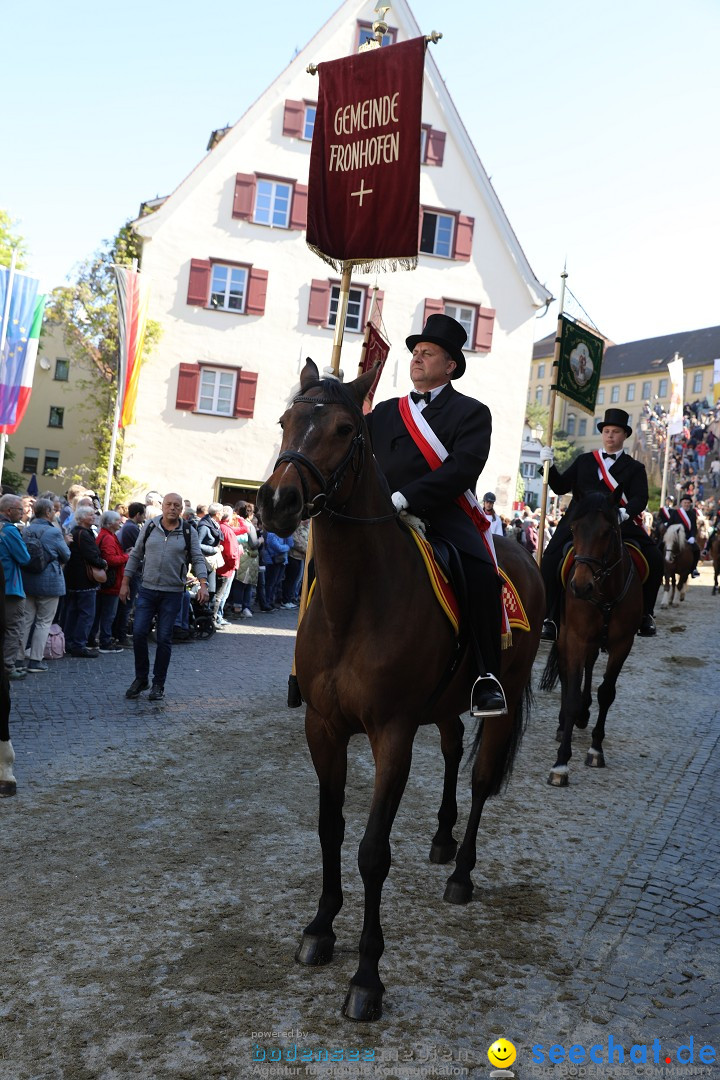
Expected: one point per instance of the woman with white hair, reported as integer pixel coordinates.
(107, 598)
(81, 589)
(226, 572)
(43, 589)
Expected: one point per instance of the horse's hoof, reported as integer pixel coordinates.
(443, 853)
(458, 892)
(315, 949)
(363, 1003)
(595, 759)
(558, 779)
(7, 788)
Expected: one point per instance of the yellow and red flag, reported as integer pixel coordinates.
(133, 295)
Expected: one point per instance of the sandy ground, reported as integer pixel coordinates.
(159, 864)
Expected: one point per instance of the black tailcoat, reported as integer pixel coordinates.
(463, 425)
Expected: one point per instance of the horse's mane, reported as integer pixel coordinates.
(675, 533)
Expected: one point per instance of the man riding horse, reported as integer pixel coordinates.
(603, 471)
(462, 426)
(686, 515)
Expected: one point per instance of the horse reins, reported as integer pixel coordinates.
(599, 578)
(355, 458)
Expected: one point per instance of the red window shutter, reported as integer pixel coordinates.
(245, 390)
(484, 326)
(187, 388)
(433, 307)
(376, 305)
(256, 292)
(294, 119)
(464, 237)
(199, 283)
(435, 147)
(298, 209)
(244, 195)
(319, 307)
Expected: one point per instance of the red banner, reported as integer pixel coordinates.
(364, 188)
(374, 351)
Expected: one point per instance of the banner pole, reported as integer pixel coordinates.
(340, 318)
(663, 488)
(551, 420)
(119, 390)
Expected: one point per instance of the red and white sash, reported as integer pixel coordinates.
(685, 520)
(612, 483)
(435, 453)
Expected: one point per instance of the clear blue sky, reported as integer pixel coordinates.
(597, 123)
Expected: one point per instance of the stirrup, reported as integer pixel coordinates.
(496, 709)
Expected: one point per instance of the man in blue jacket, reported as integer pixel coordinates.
(13, 555)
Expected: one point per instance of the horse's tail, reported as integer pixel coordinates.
(551, 673)
(519, 723)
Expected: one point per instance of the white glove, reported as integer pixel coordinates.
(691, 540)
(399, 501)
(623, 514)
(547, 454)
(328, 373)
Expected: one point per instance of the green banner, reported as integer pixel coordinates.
(578, 374)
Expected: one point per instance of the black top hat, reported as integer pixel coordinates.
(615, 418)
(449, 334)
(488, 497)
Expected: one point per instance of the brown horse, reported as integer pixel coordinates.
(376, 654)
(715, 557)
(678, 564)
(603, 609)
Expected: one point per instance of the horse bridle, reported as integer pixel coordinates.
(603, 572)
(354, 458)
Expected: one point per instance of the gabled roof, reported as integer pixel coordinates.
(349, 11)
(696, 347)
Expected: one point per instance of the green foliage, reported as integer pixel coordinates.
(565, 451)
(9, 239)
(536, 415)
(11, 481)
(87, 313)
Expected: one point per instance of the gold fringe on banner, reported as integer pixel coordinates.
(369, 265)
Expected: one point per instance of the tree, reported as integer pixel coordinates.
(11, 481)
(565, 451)
(9, 239)
(87, 313)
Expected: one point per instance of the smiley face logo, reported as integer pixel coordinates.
(501, 1054)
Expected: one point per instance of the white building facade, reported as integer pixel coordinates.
(243, 302)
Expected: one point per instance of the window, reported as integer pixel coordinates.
(365, 33)
(601, 395)
(541, 371)
(62, 370)
(228, 287)
(529, 469)
(538, 393)
(309, 121)
(437, 234)
(272, 203)
(697, 382)
(354, 318)
(646, 390)
(615, 394)
(582, 427)
(52, 461)
(30, 459)
(662, 388)
(571, 424)
(432, 145)
(465, 316)
(56, 416)
(217, 391)
(630, 392)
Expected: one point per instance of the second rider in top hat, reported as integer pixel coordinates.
(463, 426)
(584, 477)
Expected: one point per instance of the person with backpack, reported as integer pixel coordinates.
(43, 581)
(164, 550)
(13, 556)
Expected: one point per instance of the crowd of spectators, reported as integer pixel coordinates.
(64, 561)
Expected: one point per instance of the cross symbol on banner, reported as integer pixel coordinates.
(363, 191)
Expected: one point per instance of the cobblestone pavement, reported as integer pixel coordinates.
(160, 861)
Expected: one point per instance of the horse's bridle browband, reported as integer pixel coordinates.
(329, 487)
(603, 572)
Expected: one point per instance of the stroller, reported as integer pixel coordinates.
(199, 618)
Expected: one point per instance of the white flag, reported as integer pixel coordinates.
(675, 413)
